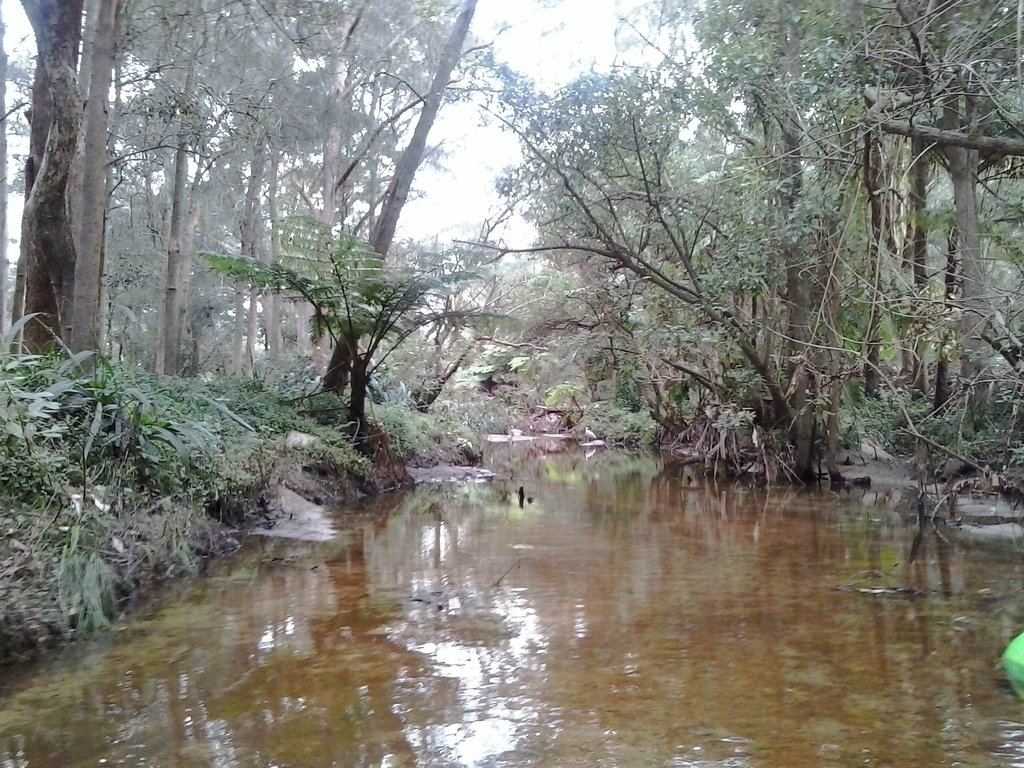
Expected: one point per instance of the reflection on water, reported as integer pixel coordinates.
(623, 618)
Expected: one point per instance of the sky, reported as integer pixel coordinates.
(550, 41)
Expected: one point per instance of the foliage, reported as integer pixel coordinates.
(365, 309)
(895, 418)
(415, 436)
(107, 470)
(619, 426)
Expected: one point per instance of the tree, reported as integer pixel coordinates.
(947, 89)
(405, 171)
(358, 303)
(4, 186)
(46, 227)
(89, 206)
(611, 176)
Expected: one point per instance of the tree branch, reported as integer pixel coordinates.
(996, 145)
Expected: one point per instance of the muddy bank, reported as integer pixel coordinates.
(81, 568)
(60, 576)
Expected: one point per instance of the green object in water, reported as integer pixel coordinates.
(1013, 664)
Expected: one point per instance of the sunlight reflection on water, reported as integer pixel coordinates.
(484, 728)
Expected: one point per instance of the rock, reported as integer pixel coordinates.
(954, 469)
(298, 519)
(872, 450)
(295, 440)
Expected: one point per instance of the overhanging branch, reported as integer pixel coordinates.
(994, 145)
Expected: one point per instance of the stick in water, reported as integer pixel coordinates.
(506, 573)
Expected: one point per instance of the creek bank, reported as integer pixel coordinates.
(83, 566)
(134, 552)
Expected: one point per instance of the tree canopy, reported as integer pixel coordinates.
(792, 224)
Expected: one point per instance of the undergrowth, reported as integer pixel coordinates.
(109, 476)
(895, 418)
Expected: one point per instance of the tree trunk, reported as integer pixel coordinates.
(238, 334)
(251, 328)
(873, 184)
(89, 208)
(250, 244)
(46, 227)
(18, 294)
(191, 367)
(412, 156)
(918, 201)
(302, 313)
(963, 171)
(801, 429)
(943, 386)
(168, 359)
(405, 169)
(4, 187)
(798, 295)
(275, 344)
(359, 384)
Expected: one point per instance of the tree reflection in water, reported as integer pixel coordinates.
(622, 618)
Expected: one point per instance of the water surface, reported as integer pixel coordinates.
(620, 617)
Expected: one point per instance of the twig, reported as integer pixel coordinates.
(868, 575)
(506, 573)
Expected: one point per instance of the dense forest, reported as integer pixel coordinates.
(772, 232)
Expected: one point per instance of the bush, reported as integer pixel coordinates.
(426, 437)
(620, 427)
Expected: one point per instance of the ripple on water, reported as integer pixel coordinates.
(622, 620)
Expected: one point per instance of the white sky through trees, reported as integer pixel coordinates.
(549, 41)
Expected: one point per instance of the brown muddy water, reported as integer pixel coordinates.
(620, 618)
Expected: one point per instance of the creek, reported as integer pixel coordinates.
(621, 616)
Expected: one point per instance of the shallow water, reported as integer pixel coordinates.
(621, 617)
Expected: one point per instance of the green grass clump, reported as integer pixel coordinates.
(108, 473)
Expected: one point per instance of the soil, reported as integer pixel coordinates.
(297, 518)
(882, 472)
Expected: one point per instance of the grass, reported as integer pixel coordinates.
(112, 478)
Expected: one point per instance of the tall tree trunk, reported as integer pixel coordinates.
(963, 171)
(918, 201)
(801, 430)
(117, 109)
(798, 293)
(873, 184)
(412, 156)
(943, 385)
(238, 333)
(303, 313)
(46, 226)
(275, 344)
(405, 171)
(360, 382)
(89, 209)
(251, 330)
(168, 359)
(4, 187)
(250, 243)
(191, 366)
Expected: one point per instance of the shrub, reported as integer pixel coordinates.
(619, 426)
